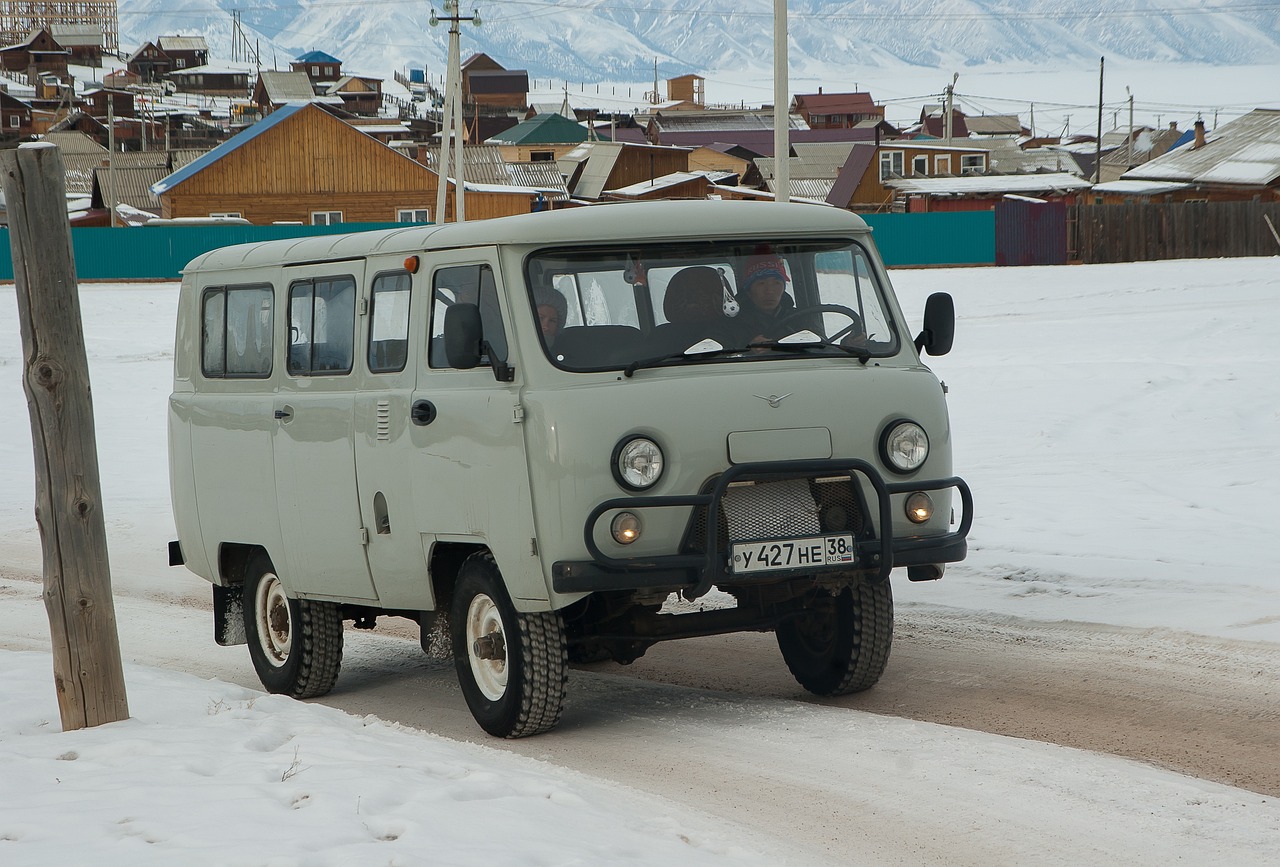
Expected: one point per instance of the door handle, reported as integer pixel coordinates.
(423, 412)
(284, 413)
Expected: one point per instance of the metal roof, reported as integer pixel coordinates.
(133, 186)
(640, 221)
(286, 86)
(183, 43)
(1245, 151)
(543, 129)
(316, 57)
(74, 143)
(971, 185)
(541, 174)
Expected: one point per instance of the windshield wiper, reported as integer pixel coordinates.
(778, 346)
(658, 361)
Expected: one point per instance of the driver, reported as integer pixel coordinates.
(762, 296)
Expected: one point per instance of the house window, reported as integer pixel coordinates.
(326, 218)
(14, 121)
(890, 164)
(315, 71)
(541, 156)
(413, 215)
(972, 163)
(470, 284)
(942, 165)
(920, 166)
(322, 317)
(181, 62)
(389, 323)
(235, 338)
(235, 214)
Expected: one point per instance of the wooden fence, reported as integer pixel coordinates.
(1187, 230)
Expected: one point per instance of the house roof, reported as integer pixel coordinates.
(286, 86)
(69, 143)
(132, 186)
(674, 179)
(994, 124)
(316, 57)
(76, 35)
(212, 69)
(1243, 152)
(697, 121)
(542, 175)
(543, 129)
(1007, 157)
(851, 173)
(183, 43)
(837, 103)
(1140, 188)
(976, 185)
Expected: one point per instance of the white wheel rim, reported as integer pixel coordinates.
(484, 619)
(275, 628)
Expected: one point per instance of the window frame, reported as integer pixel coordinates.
(310, 371)
(373, 320)
(223, 291)
(426, 213)
(893, 159)
(328, 218)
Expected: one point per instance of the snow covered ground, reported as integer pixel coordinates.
(1118, 425)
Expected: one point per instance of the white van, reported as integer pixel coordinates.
(539, 431)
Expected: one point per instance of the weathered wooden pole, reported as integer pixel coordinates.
(87, 670)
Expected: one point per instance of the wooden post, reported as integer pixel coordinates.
(87, 670)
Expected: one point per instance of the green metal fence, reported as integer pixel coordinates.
(161, 252)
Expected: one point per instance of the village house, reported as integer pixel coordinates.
(836, 110)
(593, 167)
(318, 66)
(84, 41)
(686, 93)
(38, 54)
(865, 180)
(488, 85)
(302, 164)
(15, 117)
(546, 137)
(1238, 162)
(360, 95)
(212, 80)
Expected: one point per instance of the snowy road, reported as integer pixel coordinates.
(814, 777)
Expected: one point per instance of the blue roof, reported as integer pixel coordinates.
(317, 57)
(242, 138)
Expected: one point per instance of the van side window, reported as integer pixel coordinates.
(389, 323)
(235, 339)
(322, 325)
(467, 284)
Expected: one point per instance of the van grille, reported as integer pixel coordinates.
(779, 508)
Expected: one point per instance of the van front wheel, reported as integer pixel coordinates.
(295, 644)
(512, 667)
(840, 644)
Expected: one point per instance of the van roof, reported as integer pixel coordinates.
(597, 224)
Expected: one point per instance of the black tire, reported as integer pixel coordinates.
(518, 687)
(295, 644)
(841, 643)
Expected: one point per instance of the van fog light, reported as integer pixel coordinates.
(919, 508)
(625, 528)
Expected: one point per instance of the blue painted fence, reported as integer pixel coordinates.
(161, 252)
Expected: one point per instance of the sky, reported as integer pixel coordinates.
(1117, 424)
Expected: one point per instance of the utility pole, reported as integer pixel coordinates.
(1097, 149)
(1126, 90)
(452, 121)
(951, 92)
(781, 106)
(111, 158)
(87, 670)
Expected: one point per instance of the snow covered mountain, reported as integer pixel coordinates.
(619, 40)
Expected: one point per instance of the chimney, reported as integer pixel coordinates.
(819, 90)
(1199, 135)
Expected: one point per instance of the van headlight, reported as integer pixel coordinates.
(904, 446)
(637, 463)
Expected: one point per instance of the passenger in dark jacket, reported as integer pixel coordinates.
(763, 300)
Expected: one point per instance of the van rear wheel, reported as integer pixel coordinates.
(295, 644)
(840, 644)
(512, 667)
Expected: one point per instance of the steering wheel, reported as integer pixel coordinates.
(855, 321)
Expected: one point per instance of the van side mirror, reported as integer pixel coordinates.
(939, 325)
(462, 333)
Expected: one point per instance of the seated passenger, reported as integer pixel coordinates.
(694, 307)
(552, 310)
(764, 302)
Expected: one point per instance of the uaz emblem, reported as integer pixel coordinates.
(775, 400)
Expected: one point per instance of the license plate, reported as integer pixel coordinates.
(805, 553)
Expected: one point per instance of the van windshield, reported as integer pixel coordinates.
(743, 301)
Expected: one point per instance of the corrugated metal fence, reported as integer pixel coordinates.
(1186, 230)
(161, 252)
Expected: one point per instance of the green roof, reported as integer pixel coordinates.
(543, 129)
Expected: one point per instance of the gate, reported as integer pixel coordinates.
(1031, 231)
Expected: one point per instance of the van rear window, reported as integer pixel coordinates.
(236, 332)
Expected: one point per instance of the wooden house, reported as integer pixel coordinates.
(318, 66)
(544, 137)
(360, 95)
(862, 183)
(103, 101)
(1238, 162)
(275, 89)
(686, 92)
(593, 167)
(212, 80)
(487, 84)
(38, 53)
(184, 52)
(303, 164)
(719, 158)
(15, 117)
(149, 63)
(836, 110)
(84, 41)
(677, 185)
(121, 78)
